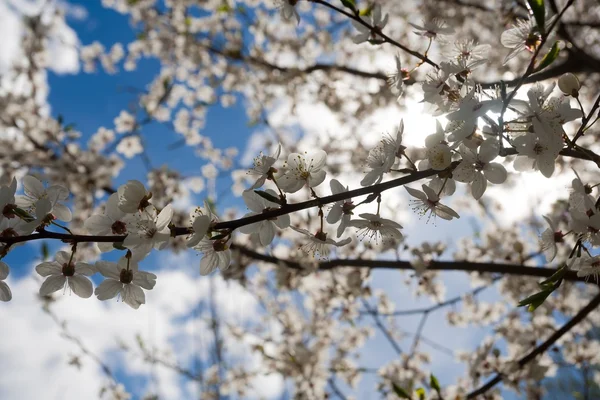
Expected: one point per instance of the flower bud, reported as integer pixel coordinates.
(569, 84)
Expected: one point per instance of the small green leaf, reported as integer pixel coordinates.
(536, 300)
(268, 196)
(351, 4)
(539, 13)
(435, 384)
(557, 276)
(45, 251)
(549, 57)
(225, 8)
(403, 394)
(421, 393)
(365, 12)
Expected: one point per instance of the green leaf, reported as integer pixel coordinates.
(435, 384)
(224, 8)
(351, 4)
(536, 300)
(549, 57)
(539, 13)
(403, 394)
(45, 251)
(421, 393)
(268, 196)
(557, 276)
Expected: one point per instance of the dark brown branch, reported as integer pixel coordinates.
(505, 269)
(580, 316)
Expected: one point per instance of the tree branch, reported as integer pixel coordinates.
(580, 316)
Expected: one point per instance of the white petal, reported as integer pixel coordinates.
(416, 193)
(81, 286)
(108, 289)
(164, 218)
(33, 187)
(4, 270)
(108, 269)
(208, 263)
(266, 234)
(52, 284)
(62, 212)
(478, 186)
(316, 178)
(5, 293)
(336, 187)
(49, 268)
(495, 173)
(133, 296)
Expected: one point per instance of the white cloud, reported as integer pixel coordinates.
(32, 349)
(62, 40)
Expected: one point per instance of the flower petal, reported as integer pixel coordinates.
(81, 286)
(52, 284)
(108, 289)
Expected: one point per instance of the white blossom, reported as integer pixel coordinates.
(265, 229)
(263, 167)
(35, 191)
(148, 231)
(340, 210)
(125, 280)
(373, 227)
(302, 169)
(428, 201)
(64, 272)
(133, 197)
(319, 245)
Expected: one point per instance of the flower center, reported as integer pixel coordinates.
(119, 228)
(126, 276)
(220, 245)
(68, 269)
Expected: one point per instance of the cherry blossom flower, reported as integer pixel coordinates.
(319, 245)
(587, 225)
(125, 280)
(263, 167)
(469, 50)
(536, 153)
(200, 226)
(34, 191)
(303, 170)
(438, 153)
(265, 229)
(523, 35)
(549, 238)
(372, 226)
(125, 122)
(428, 201)
(133, 197)
(148, 231)
(341, 210)
(216, 254)
(434, 29)
(396, 79)
(112, 222)
(580, 198)
(376, 24)
(383, 156)
(63, 272)
(469, 111)
(478, 168)
(586, 266)
(5, 293)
